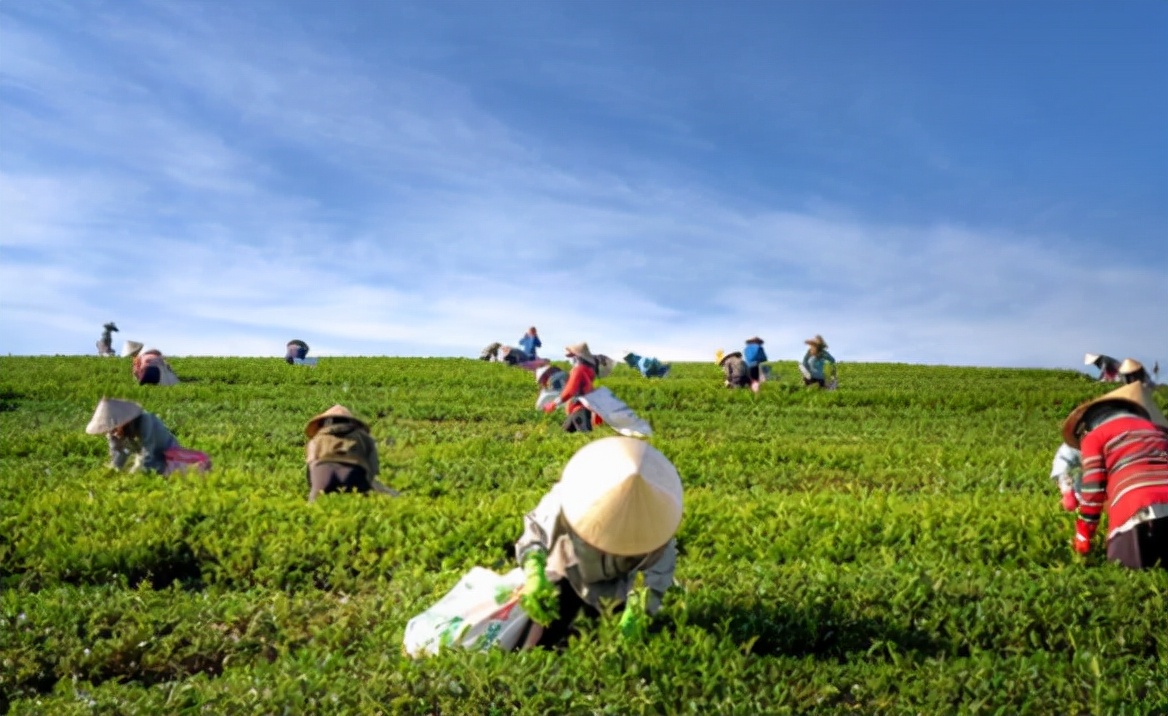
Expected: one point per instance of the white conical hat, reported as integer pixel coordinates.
(1130, 365)
(1090, 358)
(604, 366)
(131, 348)
(112, 413)
(622, 496)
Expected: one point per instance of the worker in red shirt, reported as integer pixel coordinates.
(584, 367)
(1123, 437)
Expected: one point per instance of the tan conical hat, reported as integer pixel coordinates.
(622, 496)
(1089, 358)
(816, 341)
(1130, 365)
(580, 349)
(1135, 394)
(131, 348)
(337, 411)
(112, 413)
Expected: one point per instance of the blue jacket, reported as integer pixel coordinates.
(753, 354)
(529, 343)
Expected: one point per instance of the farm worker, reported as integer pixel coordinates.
(150, 368)
(512, 356)
(341, 455)
(648, 367)
(1124, 440)
(579, 383)
(296, 350)
(132, 431)
(813, 361)
(491, 352)
(737, 375)
(551, 381)
(105, 346)
(530, 343)
(612, 516)
(1108, 367)
(754, 355)
(1067, 472)
(1132, 371)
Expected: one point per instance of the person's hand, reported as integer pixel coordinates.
(1084, 531)
(1070, 502)
(634, 623)
(549, 407)
(539, 598)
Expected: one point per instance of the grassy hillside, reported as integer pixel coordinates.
(892, 547)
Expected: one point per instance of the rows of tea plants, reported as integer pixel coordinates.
(891, 547)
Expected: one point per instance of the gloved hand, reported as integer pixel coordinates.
(1084, 531)
(549, 407)
(539, 599)
(634, 623)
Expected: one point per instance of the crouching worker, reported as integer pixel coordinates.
(295, 350)
(341, 456)
(132, 431)
(551, 381)
(611, 517)
(734, 369)
(580, 380)
(646, 366)
(149, 367)
(1123, 437)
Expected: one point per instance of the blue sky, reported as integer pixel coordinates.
(974, 183)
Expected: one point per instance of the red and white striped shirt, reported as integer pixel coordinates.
(1125, 468)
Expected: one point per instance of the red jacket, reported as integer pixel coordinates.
(1125, 468)
(579, 383)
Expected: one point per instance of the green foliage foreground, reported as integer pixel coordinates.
(893, 547)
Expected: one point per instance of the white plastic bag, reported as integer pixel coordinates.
(616, 414)
(481, 611)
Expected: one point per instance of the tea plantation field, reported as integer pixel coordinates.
(892, 547)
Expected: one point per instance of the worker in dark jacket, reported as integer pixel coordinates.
(105, 346)
(734, 369)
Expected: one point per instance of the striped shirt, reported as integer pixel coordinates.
(1125, 469)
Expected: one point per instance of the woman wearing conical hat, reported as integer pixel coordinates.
(754, 356)
(149, 367)
(295, 350)
(1132, 371)
(1108, 367)
(734, 369)
(341, 456)
(580, 382)
(132, 431)
(612, 516)
(1123, 437)
(105, 345)
(814, 360)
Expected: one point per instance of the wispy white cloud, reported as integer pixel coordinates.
(216, 190)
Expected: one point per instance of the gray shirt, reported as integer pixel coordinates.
(594, 575)
(148, 444)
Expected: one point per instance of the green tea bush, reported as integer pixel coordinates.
(891, 547)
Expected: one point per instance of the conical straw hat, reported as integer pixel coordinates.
(1135, 394)
(621, 496)
(337, 411)
(816, 341)
(581, 350)
(110, 414)
(1089, 358)
(131, 348)
(1130, 366)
